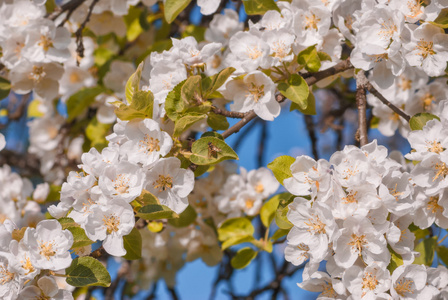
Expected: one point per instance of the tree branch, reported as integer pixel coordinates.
(312, 134)
(377, 94)
(79, 43)
(70, 7)
(229, 114)
(361, 101)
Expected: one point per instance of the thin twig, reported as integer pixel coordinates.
(68, 7)
(361, 102)
(377, 94)
(229, 114)
(173, 293)
(312, 135)
(79, 43)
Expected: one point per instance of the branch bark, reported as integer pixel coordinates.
(377, 94)
(361, 101)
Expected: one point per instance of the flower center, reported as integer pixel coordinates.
(404, 286)
(394, 192)
(328, 290)
(387, 30)
(37, 74)
(259, 188)
(250, 203)
(254, 52)
(311, 22)
(426, 48)
(74, 77)
(45, 42)
(369, 282)
(415, 8)
(316, 226)
(442, 170)
(111, 222)
(435, 146)
(149, 144)
(433, 205)
(46, 249)
(405, 84)
(256, 91)
(5, 275)
(26, 265)
(357, 242)
(280, 50)
(121, 184)
(18, 49)
(427, 100)
(163, 183)
(351, 198)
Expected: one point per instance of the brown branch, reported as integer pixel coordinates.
(27, 164)
(311, 78)
(361, 101)
(229, 114)
(78, 33)
(377, 94)
(68, 7)
(312, 134)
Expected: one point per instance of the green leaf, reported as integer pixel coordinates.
(81, 100)
(133, 83)
(173, 8)
(310, 59)
(155, 212)
(87, 271)
(96, 132)
(295, 89)
(442, 20)
(201, 170)
(259, 7)
(197, 32)
(395, 261)
(426, 248)
(419, 120)
(280, 215)
(279, 233)
(67, 222)
(141, 107)
(187, 217)
(80, 238)
(212, 134)
(323, 56)
(235, 231)
(211, 84)
(155, 226)
(146, 198)
(243, 258)
(191, 89)
(217, 122)
(133, 245)
(267, 212)
(374, 122)
(186, 122)
(173, 103)
(211, 150)
(5, 88)
(281, 167)
(311, 108)
(442, 253)
(132, 21)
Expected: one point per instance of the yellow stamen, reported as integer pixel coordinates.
(163, 183)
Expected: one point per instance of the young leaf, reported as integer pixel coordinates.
(5, 88)
(155, 212)
(281, 167)
(140, 108)
(173, 8)
(133, 83)
(87, 271)
(442, 253)
(191, 89)
(419, 120)
(279, 233)
(442, 19)
(426, 248)
(310, 59)
(395, 260)
(243, 258)
(217, 122)
(211, 150)
(295, 89)
(259, 7)
(235, 227)
(80, 238)
(211, 84)
(186, 122)
(81, 100)
(173, 103)
(133, 245)
(187, 217)
(267, 212)
(280, 215)
(311, 108)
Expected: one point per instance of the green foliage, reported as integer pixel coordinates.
(80, 238)
(96, 133)
(442, 253)
(173, 103)
(173, 8)
(133, 245)
(235, 231)
(280, 215)
(419, 120)
(295, 89)
(217, 122)
(323, 56)
(310, 59)
(395, 261)
(281, 167)
(310, 109)
(142, 106)
(81, 100)
(243, 258)
(259, 7)
(133, 83)
(191, 90)
(442, 20)
(279, 234)
(426, 248)
(187, 217)
(155, 212)
(132, 21)
(197, 32)
(87, 271)
(5, 88)
(186, 122)
(267, 212)
(212, 83)
(211, 150)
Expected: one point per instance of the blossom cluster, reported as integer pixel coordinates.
(354, 210)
